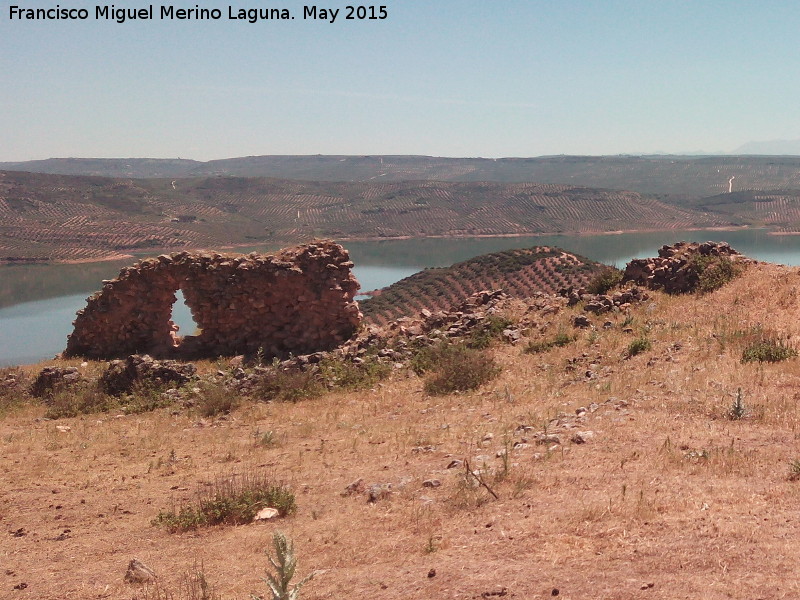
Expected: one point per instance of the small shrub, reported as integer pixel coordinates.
(714, 271)
(339, 373)
(80, 399)
(637, 346)
(767, 349)
(284, 564)
(460, 369)
(488, 331)
(265, 439)
(794, 470)
(605, 280)
(144, 397)
(230, 501)
(561, 339)
(426, 358)
(289, 386)
(216, 400)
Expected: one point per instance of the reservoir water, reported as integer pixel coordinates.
(38, 302)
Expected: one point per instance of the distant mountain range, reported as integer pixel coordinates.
(772, 147)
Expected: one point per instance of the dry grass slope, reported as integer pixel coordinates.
(668, 497)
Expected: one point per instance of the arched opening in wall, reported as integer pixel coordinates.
(182, 317)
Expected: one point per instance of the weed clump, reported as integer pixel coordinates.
(193, 586)
(288, 386)
(737, 410)
(216, 400)
(79, 399)
(605, 280)
(346, 374)
(229, 501)
(767, 349)
(794, 470)
(489, 330)
(453, 368)
(561, 339)
(637, 346)
(714, 271)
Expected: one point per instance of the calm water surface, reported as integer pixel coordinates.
(38, 302)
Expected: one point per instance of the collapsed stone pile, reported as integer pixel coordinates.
(395, 344)
(295, 302)
(52, 379)
(603, 303)
(675, 269)
(122, 375)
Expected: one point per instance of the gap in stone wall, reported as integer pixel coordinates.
(182, 317)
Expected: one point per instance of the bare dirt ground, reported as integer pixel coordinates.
(668, 498)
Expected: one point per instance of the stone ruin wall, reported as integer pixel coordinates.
(297, 301)
(673, 270)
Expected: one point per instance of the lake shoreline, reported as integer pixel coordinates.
(12, 260)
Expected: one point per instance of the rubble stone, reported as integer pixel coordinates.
(674, 269)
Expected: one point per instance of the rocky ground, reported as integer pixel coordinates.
(625, 451)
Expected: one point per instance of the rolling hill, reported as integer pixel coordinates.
(678, 176)
(520, 273)
(61, 217)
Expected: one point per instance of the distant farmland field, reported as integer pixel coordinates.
(59, 217)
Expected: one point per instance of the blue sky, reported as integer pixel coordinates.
(437, 77)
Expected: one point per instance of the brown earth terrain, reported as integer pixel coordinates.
(677, 176)
(68, 218)
(643, 458)
(520, 273)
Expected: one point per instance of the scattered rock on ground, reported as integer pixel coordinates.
(138, 572)
(122, 375)
(53, 379)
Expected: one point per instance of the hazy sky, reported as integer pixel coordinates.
(438, 77)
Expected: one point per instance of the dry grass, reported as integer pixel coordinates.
(668, 491)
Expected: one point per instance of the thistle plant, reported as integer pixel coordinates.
(737, 410)
(284, 564)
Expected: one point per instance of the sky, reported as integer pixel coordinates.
(458, 78)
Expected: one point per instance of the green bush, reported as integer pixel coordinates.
(340, 373)
(767, 349)
(230, 501)
(714, 271)
(561, 339)
(637, 346)
(488, 331)
(144, 397)
(605, 280)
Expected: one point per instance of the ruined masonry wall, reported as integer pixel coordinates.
(297, 301)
